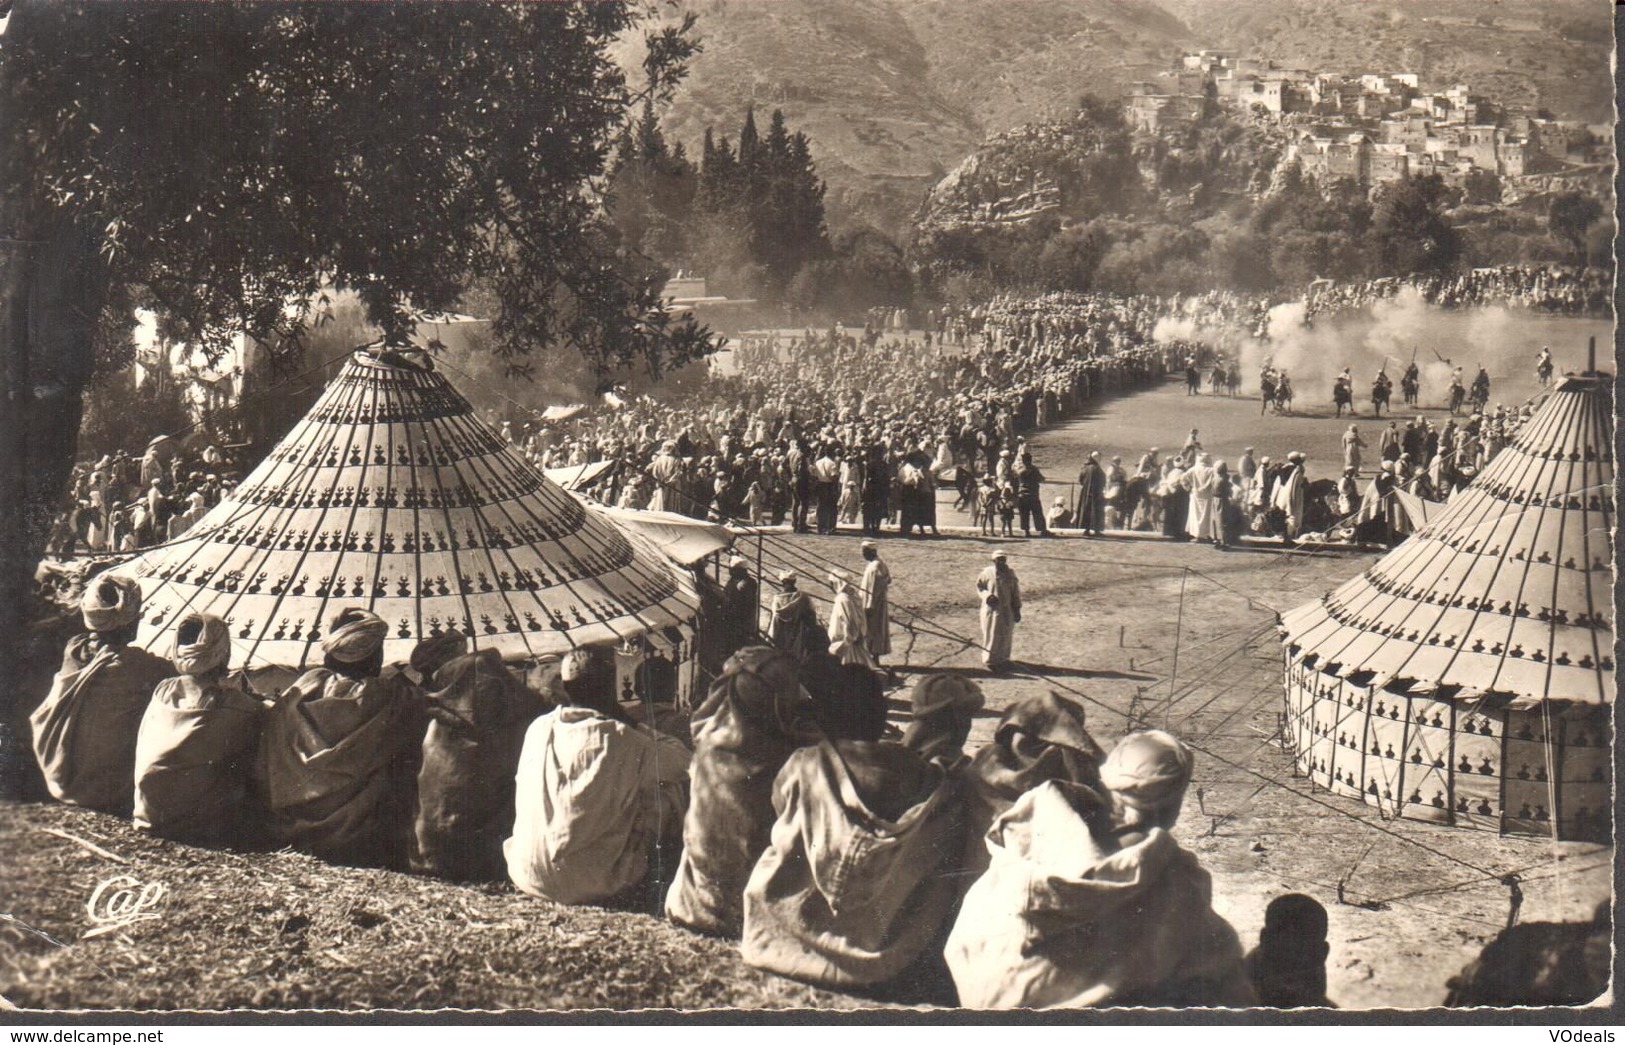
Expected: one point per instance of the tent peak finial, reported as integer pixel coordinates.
(396, 353)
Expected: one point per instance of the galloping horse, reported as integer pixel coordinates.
(1480, 396)
(1381, 392)
(1411, 385)
(1457, 394)
(1342, 396)
(1266, 392)
(1283, 395)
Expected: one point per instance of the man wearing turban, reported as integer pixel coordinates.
(477, 718)
(195, 752)
(598, 800)
(341, 751)
(85, 731)
(1088, 900)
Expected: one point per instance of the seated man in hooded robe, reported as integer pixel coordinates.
(477, 717)
(754, 716)
(943, 708)
(341, 749)
(858, 878)
(599, 800)
(1088, 900)
(1038, 738)
(1288, 967)
(85, 731)
(194, 755)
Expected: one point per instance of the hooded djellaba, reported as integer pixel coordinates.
(858, 877)
(1089, 901)
(341, 749)
(477, 717)
(85, 731)
(599, 800)
(194, 755)
(1038, 738)
(755, 715)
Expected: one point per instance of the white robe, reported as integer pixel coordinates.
(595, 800)
(846, 629)
(1202, 522)
(877, 607)
(1290, 494)
(1000, 599)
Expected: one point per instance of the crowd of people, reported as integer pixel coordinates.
(455, 767)
(781, 813)
(123, 502)
(1541, 288)
(858, 428)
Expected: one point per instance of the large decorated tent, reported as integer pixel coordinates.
(391, 494)
(1467, 677)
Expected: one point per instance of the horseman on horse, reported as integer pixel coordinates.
(1266, 389)
(1481, 389)
(1544, 366)
(1343, 392)
(1283, 393)
(1411, 384)
(1457, 392)
(1382, 390)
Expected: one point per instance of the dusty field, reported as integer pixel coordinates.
(1142, 630)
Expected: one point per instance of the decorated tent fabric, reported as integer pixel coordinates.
(392, 494)
(1466, 676)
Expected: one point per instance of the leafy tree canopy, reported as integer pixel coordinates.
(226, 160)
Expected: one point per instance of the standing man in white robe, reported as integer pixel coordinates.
(999, 594)
(1202, 480)
(847, 642)
(1352, 445)
(1291, 493)
(876, 601)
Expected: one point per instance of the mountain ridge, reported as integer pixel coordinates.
(894, 94)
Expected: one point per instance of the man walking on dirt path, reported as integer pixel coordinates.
(999, 594)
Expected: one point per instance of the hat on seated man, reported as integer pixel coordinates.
(598, 800)
(85, 730)
(195, 750)
(341, 750)
(1088, 900)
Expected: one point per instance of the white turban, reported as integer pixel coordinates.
(110, 603)
(356, 635)
(1149, 770)
(210, 647)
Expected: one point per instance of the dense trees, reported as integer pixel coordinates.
(225, 161)
(1569, 217)
(749, 216)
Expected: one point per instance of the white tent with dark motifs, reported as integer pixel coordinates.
(1467, 677)
(392, 494)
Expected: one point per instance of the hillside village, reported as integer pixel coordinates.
(1378, 127)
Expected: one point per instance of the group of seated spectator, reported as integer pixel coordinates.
(835, 854)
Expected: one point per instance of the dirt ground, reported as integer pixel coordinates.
(1142, 630)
